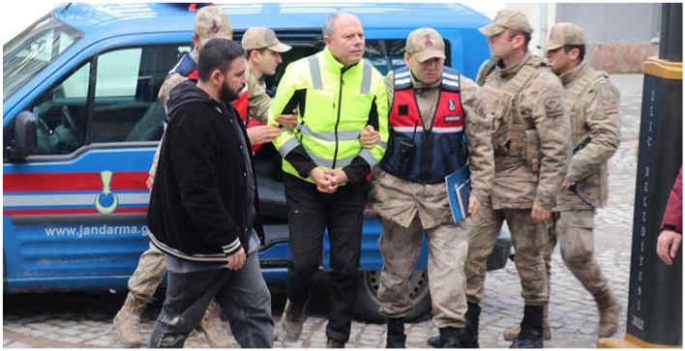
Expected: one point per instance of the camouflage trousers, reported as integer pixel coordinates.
(447, 249)
(530, 241)
(148, 275)
(573, 231)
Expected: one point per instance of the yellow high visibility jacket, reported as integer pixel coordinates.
(334, 104)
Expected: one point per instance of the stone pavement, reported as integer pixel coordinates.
(84, 319)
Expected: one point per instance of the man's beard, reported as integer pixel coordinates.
(227, 95)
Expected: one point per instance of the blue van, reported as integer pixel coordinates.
(81, 123)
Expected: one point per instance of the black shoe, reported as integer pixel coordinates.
(396, 342)
(332, 344)
(469, 335)
(448, 339)
(528, 338)
(435, 342)
(531, 334)
(396, 338)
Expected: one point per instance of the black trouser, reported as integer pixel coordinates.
(309, 213)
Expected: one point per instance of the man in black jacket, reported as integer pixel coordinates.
(204, 209)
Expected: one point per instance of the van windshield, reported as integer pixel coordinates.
(32, 50)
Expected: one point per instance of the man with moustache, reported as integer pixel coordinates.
(210, 22)
(204, 208)
(336, 95)
(436, 110)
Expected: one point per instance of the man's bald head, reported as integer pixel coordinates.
(334, 18)
(344, 37)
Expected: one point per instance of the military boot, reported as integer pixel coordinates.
(608, 314)
(396, 338)
(332, 344)
(469, 335)
(127, 321)
(213, 328)
(531, 329)
(449, 338)
(292, 320)
(511, 333)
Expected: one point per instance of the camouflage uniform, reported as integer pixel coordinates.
(406, 208)
(531, 141)
(593, 103)
(151, 267)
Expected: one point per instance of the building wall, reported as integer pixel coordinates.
(620, 36)
(614, 22)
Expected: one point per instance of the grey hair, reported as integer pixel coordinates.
(330, 21)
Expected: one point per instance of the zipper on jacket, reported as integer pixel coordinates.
(337, 121)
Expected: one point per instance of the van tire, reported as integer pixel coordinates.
(367, 303)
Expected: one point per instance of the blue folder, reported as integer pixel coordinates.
(458, 191)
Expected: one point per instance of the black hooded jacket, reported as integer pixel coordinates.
(198, 207)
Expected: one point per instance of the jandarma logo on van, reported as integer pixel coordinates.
(96, 230)
(106, 202)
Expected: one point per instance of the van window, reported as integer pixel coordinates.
(118, 74)
(32, 50)
(122, 107)
(61, 115)
(388, 54)
(128, 80)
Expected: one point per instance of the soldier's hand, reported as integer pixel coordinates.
(149, 181)
(566, 185)
(262, 134)
(322, 179)
(369, 137)
(288, 121)
(237, 260)
(667, 246)
(539, 214)
(474, 206)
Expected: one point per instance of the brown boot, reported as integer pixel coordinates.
(292, 320)
(213, 328)
(127, 321)
(194, 341)
(608, 314)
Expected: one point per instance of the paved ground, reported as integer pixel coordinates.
(84, 320)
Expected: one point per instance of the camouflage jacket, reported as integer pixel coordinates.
(531, 133)
(593, 104)
(400, 200)
(259, 101)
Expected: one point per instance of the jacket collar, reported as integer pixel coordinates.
(332, 63)
(511, 71)
(570, 76)
(416, 84)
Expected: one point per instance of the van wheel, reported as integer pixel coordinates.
(367, 302)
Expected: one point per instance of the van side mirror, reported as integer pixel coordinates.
(23, 141)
